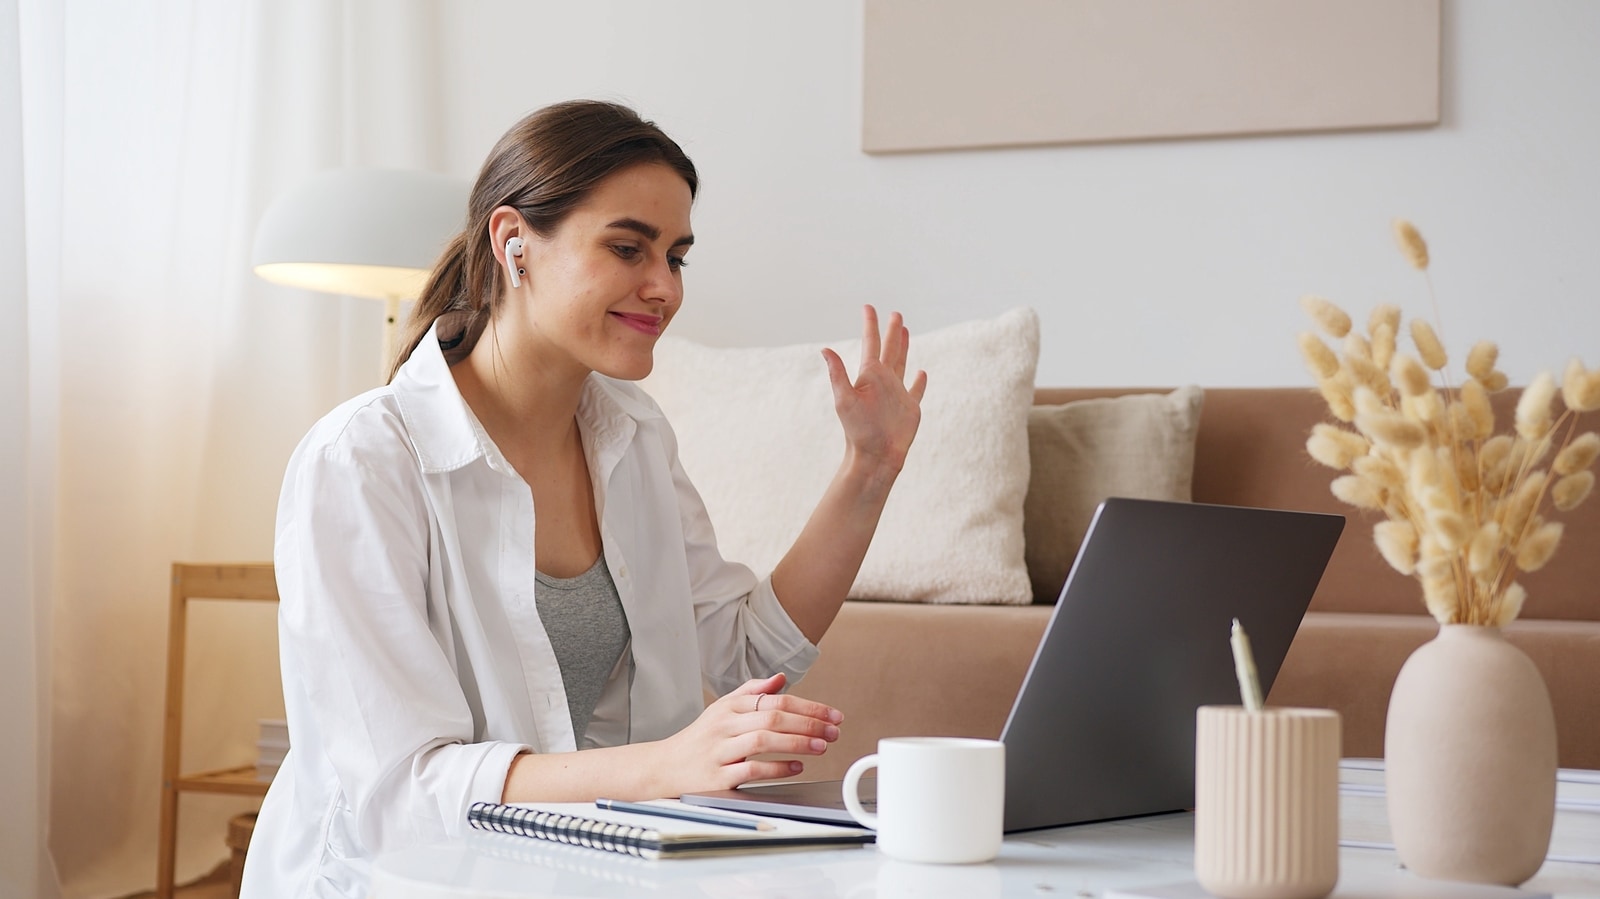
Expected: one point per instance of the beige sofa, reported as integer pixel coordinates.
(900, 668)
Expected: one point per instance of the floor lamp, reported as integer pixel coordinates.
(362, 233)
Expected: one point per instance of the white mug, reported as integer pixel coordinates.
(940, 799)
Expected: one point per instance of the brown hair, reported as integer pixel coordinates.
(544, 167)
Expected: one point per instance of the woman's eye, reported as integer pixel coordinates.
(676, 262)
(625, 251)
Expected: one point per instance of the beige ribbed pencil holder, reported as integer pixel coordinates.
(1266, 802)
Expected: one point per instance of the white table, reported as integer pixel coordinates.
(1069, 862)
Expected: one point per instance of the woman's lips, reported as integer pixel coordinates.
(648, 324)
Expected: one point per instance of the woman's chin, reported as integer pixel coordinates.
(633, 369)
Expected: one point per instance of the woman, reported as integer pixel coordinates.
(497, 582)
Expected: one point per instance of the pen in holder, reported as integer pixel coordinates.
(1266, 795)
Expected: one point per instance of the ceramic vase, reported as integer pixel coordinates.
(1470, 756)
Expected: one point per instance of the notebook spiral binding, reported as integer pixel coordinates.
(558, 828)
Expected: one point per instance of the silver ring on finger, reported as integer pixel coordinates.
(758, 701)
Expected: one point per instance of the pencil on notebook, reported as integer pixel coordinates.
(682, 814)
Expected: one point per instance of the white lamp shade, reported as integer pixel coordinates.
(360, 232)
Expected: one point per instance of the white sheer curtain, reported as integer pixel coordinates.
(24, 636)
(168, 384)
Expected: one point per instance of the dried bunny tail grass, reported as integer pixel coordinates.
(1365, 373)
(1539, 546)
(1335, 322)
(1527, 453)
(1580, 389)
(1358, 347)
(1441, 597)
(1494, 461)
(1572, 490)
(1481, 359)
(1427, 408)
(1410, 375)
(1428, 345)
(1533, 408)
(1337, 394)
(1367, 401)
(1319, 359)
(1383, 314)
(1466, 468)
(1380, 471)
(1462, 427)
(1579, 454)
(1422, 474)
(1391, 430)
(1336, 447)
(1505, 609)
(1452, 531)
(1483, 553)
(1411, 244)
(1475, 402)
(1358, 492)
(1383, 337)
(1518, 511)
(1496, 382)
(1397, 543)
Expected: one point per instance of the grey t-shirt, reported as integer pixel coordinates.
(588, 631)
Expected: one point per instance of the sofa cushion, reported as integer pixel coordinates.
(1139, 446)
(758, 436)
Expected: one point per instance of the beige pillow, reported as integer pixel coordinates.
(1139, 446)
(758, 436)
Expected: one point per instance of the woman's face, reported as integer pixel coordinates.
(603, 287)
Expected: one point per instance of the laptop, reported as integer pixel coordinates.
(1104, 724)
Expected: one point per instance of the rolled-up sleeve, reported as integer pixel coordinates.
(370, 661)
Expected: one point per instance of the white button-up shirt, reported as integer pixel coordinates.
(414, 663)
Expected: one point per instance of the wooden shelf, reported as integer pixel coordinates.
(251, 581)
(242, 781)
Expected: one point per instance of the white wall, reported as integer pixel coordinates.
(1152, 263)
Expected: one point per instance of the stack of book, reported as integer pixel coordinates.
(272, 746)
(1364, 819)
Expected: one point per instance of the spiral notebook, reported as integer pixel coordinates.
(653, 836)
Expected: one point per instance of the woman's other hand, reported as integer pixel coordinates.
(715, 752)
(879, 412)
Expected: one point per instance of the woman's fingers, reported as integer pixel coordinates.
(760, 769)
(787, 723)
(766, 742)
(780, 702)
(919, 385)
(897, 342)
(761, 685)
(870, 348)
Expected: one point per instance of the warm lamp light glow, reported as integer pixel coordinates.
(362, 233)
(375, 281)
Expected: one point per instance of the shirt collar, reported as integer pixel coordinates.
(447, 436)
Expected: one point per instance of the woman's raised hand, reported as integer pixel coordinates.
(879, 412)
(714, 753)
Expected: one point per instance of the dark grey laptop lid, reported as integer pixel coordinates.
(1104, 724)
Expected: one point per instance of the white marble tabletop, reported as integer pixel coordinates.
(1071, 862)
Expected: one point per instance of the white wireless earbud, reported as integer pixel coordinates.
(514, 249)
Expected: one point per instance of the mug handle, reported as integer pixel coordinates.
(852, 790)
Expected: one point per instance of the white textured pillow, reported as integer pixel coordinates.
(758, 436)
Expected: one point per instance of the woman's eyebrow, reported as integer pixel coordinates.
(648, 231)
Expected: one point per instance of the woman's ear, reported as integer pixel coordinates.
(505, 235)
